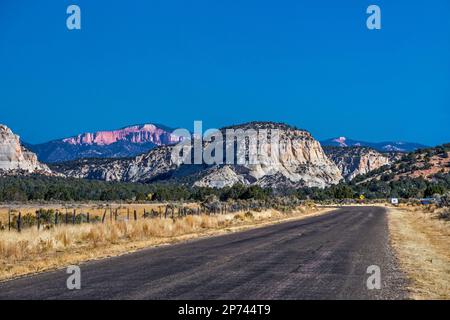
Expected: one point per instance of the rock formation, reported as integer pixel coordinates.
(353, 161)
(14, 158)
(299, 162)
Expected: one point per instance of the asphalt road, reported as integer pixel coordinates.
(323, 257)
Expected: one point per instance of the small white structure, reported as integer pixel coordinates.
(394, 201)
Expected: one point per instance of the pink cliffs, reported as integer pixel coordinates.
(147, 133)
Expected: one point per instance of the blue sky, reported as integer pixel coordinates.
(312, 64)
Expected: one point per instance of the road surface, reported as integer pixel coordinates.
(322, 257)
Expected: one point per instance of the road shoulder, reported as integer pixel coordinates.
(421, 241)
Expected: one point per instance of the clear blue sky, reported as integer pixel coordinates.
(313, 64)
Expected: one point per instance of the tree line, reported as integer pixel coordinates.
(43, 188)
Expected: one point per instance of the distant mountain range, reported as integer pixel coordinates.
(387, 146)
(134, 140)
(142, 153)
(302, 163)
(125, 142)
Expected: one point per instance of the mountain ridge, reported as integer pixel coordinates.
(133, 140)
(127, 141)
(302, 162)
(384, 146)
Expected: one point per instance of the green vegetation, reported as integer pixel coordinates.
(42, 188)
(381, 189)
(378, 184)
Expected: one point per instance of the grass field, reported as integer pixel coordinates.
(34, 251)
(95, 210)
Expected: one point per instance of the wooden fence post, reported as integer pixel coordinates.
(56, 218)
(19, 222)
(38, 219)
(9, 219)
(88, 217)
(104, 216)
(135, 215)
(74, 216)
(128, 214)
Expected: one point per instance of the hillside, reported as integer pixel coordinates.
(354, 161)
(426, 163)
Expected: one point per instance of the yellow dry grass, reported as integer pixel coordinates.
(422, 243)
(35, 251)
(94, 209)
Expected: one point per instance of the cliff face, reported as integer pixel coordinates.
(353, 161)
(147, 133)
(126, 142)
(14, 157)
(299, 162)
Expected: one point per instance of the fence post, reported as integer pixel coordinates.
(88, 217)
(19, 222)
(9, 219)
(135, 215)
(74, 216)
(104, 216)
(56, 218)
(115, 215)
(165, 212)
(128, 214)
(38, 218)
